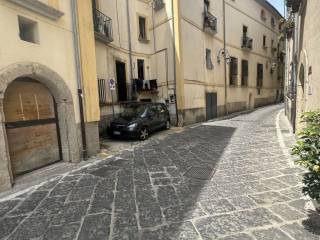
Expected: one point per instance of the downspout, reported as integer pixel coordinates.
(285, 61)
(295, 67)
(174, 64)
(225, 60)
(153, 30)
(130, 49)
(74, 8)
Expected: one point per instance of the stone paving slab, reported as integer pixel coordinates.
(144, 193)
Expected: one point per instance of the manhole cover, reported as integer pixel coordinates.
(200, 173)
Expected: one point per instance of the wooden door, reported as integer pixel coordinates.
(31, 126)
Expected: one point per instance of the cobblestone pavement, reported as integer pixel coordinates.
(151, 193)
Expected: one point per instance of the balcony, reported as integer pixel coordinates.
(146, 86)
(102, 27)
(247, 43)
(158, 5)
(209, 23)
(294, 5)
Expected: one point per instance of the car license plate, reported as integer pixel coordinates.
(116, 133)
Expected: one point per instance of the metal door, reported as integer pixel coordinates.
(121, 81)
(31, 126)
(211, 105)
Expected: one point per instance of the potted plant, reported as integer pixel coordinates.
(308, 150)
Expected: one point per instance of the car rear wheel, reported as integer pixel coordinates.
(144, 133)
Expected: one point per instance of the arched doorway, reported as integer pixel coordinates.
(59, 89)
(31, 125)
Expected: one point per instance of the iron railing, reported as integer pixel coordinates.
(102, 26)
(102, 91)
(145, 85)
(209, 23)
(247, 42)
(293, 5)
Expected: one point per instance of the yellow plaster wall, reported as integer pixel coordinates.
(54, 3)
(178, 55)
(55, 47)
(88, 61)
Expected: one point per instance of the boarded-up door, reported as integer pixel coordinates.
(211, 105)
(31, 126)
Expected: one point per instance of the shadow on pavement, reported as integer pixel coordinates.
(140, 194)
(312, 224)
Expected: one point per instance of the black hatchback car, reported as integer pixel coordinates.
(138, 120)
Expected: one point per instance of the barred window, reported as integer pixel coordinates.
(244, 72)
(233, 71)
(102, 91)
(259, 75)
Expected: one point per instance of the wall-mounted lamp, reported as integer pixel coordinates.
(223, 53)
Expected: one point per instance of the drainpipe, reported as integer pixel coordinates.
(284, 85)
(130, 48)
(79, 75)
(153, 30)
(225, 60)
(295, 67)
(174, 63)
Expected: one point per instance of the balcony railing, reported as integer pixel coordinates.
(102, 26)
(158, 4)
(294, 5)
(209, 23)
(150, 86)
(247, 43)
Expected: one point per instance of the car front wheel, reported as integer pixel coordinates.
(144, 133)
(167, 124)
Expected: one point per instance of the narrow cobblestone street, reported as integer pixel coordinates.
(158, 191)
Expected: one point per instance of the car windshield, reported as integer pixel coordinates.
(133, 111)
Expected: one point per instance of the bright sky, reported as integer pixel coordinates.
(278, 4)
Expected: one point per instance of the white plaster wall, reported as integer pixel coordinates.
(311, 45)
(157, 53)
(195, 42)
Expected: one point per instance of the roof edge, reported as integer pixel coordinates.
(270, 7)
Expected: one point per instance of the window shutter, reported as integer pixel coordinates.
(208, 59)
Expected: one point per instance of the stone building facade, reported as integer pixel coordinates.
(302, 72)
(180, 44)
(40, 81)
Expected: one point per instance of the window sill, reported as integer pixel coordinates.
(29, 42)
(145, 41)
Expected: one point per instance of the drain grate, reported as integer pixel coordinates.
(200, 173)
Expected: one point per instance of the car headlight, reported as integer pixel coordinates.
(132, 126)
